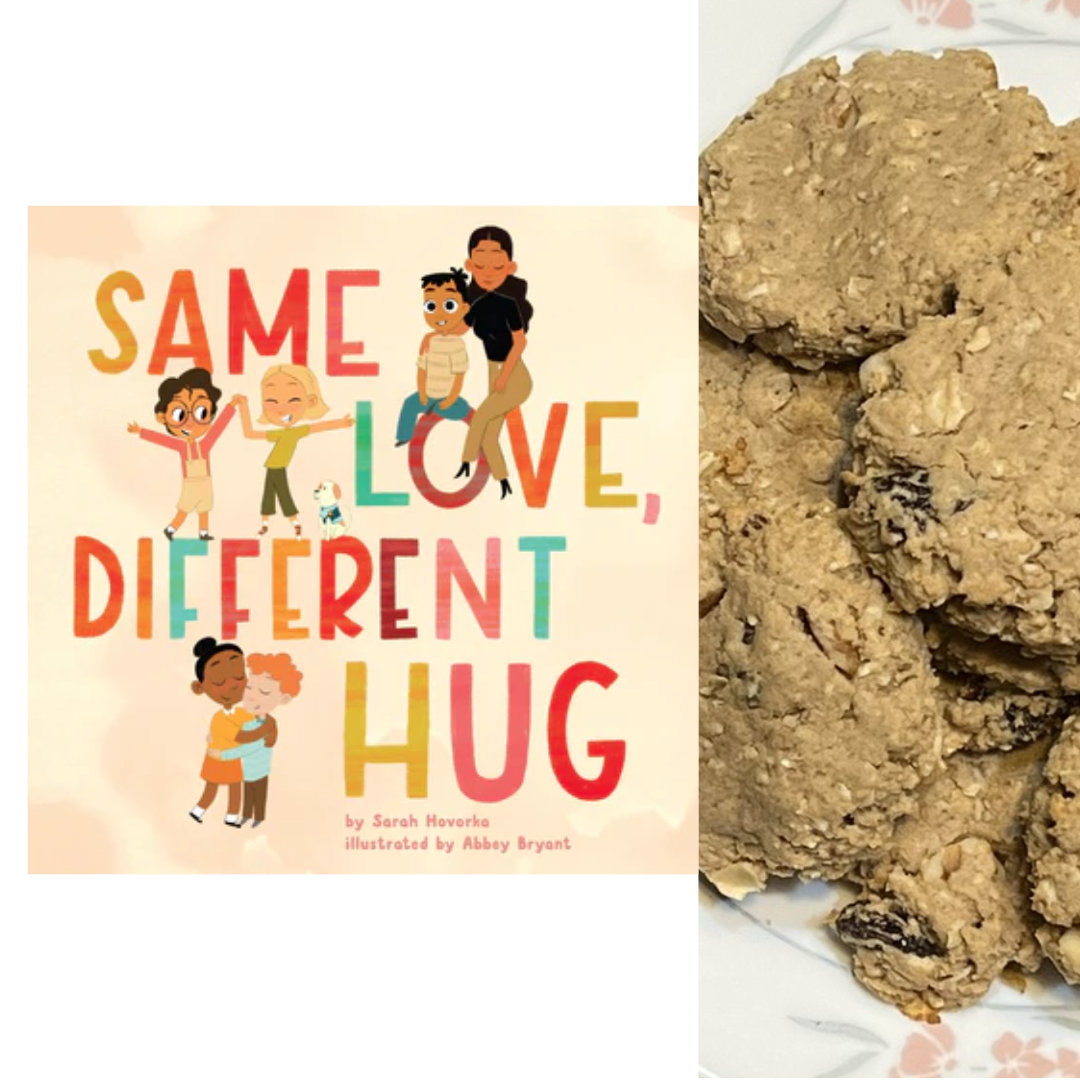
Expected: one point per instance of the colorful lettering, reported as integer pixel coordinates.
(535, 485)
(179, 550)
(472, 784)
(87, 548)
(449, 566)
(448, 500)
(231, 614)
(365, 494)
(612, 752)
(245, 321)
(337, 281)
(182, 297)
(124, 281)
(144, 581)
(391, 616)
(334, 609)
(542, 547)
(284, 616)
(595, 478)
(413, 753)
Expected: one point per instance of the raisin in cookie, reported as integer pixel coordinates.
(766, 431)
(963, 486)
(995, 697)
(843, 207)
(937, 936)
(981, 715)
(943, 909)
(819, 711)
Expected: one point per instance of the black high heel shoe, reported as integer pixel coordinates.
(463, 471)
(506, 488)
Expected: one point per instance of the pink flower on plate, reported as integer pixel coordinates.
(1071, 6)
(1021, 1058)
(1068, 1062)
(954, 13)
(928, 1052)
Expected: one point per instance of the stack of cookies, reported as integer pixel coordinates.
(890, 516)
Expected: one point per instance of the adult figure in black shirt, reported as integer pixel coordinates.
(499, 315)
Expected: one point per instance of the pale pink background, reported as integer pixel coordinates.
(116, 737)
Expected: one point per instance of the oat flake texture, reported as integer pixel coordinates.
(842, 207)
(889, 517)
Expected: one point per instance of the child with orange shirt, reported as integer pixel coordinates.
(220, 675)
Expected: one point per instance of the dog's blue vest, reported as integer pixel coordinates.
(329, 514)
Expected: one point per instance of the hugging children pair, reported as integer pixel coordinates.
(243, 731)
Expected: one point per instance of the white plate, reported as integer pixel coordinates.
(777, 997)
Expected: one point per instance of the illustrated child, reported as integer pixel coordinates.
(220, 675)
(290, 393)
(440, 369)
(499, 315)
(186, 406)
(273, 681)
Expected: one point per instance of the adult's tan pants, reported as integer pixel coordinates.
(487, 421)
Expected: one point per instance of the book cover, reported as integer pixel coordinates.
(362, 540)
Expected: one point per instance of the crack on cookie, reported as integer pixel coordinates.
(949, 296)
(808, 628)
(710, 600)
(973, 687)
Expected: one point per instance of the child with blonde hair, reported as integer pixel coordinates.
(290, 393)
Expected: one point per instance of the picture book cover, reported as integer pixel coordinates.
(362, 540)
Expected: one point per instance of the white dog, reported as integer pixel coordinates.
(332, 522)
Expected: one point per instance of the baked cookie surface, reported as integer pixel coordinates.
(889, 520)
(1053, 845)
(818, 707)
(1001, 664)
(767, 432)
(981, 715)
(819, 713)
(944, 908)
(937, 936)
(1061, 946)
(1053, 834)
(843, 207)
(963, 496)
